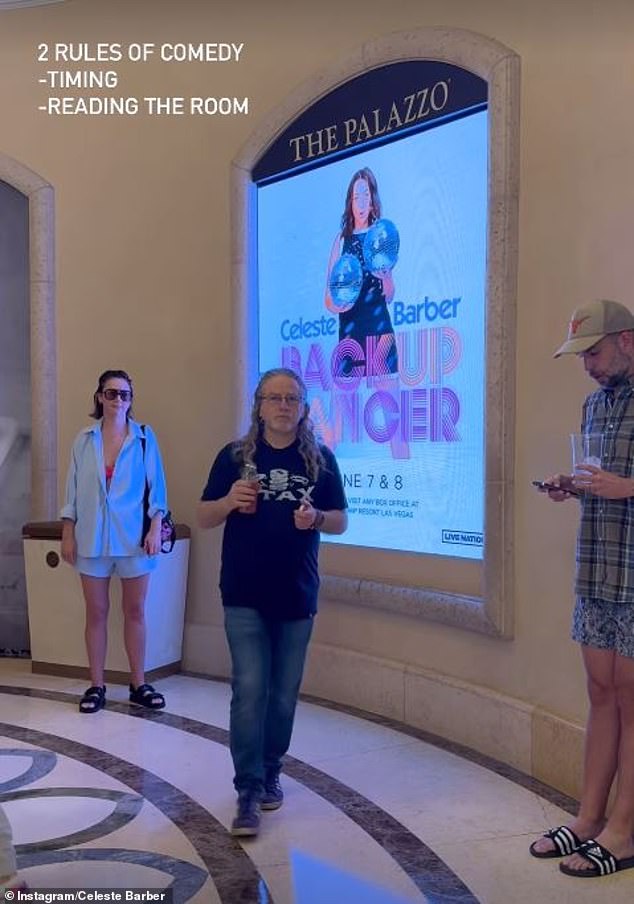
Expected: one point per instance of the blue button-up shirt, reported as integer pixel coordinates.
(109, 520)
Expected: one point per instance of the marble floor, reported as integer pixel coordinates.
(374, 812)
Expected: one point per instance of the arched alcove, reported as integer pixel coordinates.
(487, 606)
(40, 197)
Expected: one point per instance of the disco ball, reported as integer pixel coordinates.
(380, 246)
(345, 281)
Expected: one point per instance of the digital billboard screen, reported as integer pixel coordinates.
(371, 278)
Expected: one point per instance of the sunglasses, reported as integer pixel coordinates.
(111, 394)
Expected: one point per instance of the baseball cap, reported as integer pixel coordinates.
(592, 322)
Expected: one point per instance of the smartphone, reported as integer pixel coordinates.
(543, 485)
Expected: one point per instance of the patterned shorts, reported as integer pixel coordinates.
(607, 626)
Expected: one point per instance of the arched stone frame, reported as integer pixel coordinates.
(491, 612)
(43, 354)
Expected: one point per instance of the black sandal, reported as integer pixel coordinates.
(93, 700)
(146, 696)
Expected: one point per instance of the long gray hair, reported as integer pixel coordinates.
(245, 447)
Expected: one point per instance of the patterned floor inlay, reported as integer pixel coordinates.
(370, 803)
(232, 872)
(430, 874)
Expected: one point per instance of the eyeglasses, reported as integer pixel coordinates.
(111, 394)
(276, 399)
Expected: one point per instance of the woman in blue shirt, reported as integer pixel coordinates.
(103, 527)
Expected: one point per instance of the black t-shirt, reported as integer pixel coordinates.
(267, 563)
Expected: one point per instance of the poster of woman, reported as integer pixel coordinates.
(368, 314)
(371, 286)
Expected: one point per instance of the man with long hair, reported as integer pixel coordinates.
(275, 490)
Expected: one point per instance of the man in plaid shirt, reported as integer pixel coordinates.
(602, 335)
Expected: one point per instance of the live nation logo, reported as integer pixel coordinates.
(463, 537)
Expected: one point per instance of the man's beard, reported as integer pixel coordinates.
(618, 379)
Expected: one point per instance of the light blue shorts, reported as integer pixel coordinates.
(124, 566)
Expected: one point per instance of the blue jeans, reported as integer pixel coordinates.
(267, 659)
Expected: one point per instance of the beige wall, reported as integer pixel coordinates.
(144, 263)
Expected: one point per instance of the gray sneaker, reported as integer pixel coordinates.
(273, 795)
(247, 818)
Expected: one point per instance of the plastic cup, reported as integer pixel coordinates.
(586, 449)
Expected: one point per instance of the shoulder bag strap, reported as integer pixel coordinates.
(146, 492)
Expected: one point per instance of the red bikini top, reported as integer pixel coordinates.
(109, 472)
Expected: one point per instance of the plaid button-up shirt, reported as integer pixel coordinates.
(605, 544)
